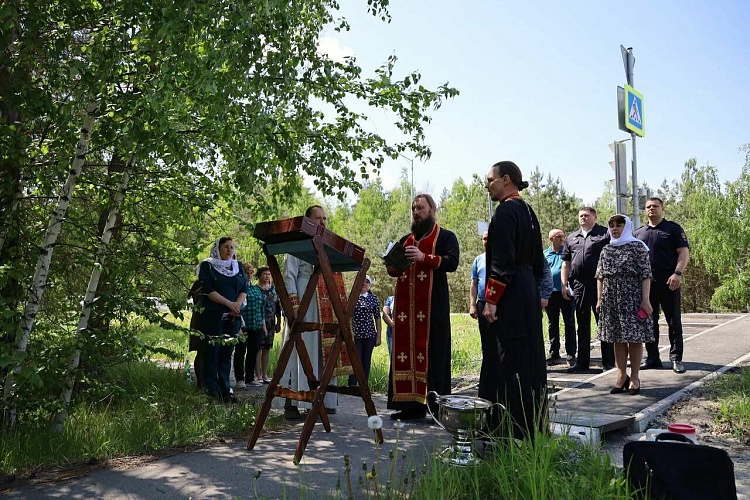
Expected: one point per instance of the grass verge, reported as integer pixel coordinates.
(732, 393)
(550, 467)
(134, 409)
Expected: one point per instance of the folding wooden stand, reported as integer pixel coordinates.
(313, 249)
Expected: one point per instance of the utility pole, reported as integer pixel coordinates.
(628, 60)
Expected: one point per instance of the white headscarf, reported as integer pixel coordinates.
(229, 267)
(627, 233)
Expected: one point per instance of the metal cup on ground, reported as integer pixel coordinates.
(463, 417)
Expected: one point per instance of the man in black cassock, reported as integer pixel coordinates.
(421, 358)
(514, 373)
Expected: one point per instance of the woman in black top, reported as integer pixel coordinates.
(222, 294)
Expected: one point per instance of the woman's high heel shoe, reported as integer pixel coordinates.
(620, 390)
(635, 390)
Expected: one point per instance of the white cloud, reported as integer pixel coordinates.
(333, 48)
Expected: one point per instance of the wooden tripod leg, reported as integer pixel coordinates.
(318, 408)
(304, 356)
(286, 352)
(265, 409)
(348, 339)
(294, 340)
(343, 313)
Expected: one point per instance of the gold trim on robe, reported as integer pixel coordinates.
(327, 315)
(411, 331)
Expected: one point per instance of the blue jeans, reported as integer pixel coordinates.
(389, 339)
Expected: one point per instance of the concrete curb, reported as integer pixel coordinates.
(644, 418)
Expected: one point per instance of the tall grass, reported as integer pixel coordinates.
(136, 408)
(549, 467)
(732, 392)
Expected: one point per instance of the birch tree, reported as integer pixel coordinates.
(46, 250)
(88, 300)
(224, 100)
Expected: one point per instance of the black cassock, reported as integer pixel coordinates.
(514, 372)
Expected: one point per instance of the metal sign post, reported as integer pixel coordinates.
(629, 61)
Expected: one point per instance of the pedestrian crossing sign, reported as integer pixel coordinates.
(634, 111)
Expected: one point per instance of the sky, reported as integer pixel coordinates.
(538, 84)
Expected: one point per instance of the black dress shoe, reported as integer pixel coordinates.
(292, 413)
(576, 368)
(408, 415)
(620, 390)
(553, 359)
(635, 390)
(678, 367)
(651, 365)
(606, 368)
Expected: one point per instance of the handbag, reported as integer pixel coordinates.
(673, 467)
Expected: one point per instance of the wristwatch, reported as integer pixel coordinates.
(678, 273)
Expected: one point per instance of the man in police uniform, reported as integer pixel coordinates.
(580, 257)
(669, 252)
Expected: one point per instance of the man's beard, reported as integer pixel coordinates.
(419, 228)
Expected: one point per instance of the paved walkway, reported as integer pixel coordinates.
(712, 342)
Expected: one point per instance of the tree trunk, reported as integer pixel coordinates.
(39, 282)
(88, 300)
(99, 321)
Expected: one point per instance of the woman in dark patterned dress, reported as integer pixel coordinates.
(623, 284)
(367, 328)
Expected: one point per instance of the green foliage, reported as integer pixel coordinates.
(554, 206)
(732, 393)
(550, 467)
(459, 211)
(719, 231)
(213, 106)
(130, 409)
(377, 218)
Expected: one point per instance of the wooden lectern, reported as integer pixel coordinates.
(329, 253)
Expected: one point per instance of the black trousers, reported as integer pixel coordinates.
(245, 355)
(661, 297)
(364, 350)
(585, 298)
(556, 305)
(489, 341)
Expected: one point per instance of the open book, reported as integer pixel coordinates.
(395, 255)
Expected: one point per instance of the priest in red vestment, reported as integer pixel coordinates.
(421, 359)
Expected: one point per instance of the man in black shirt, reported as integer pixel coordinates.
(580, 257)
(669, 252)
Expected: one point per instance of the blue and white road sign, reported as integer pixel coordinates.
(634, 111)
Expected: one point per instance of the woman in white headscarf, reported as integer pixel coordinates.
(223, 285)
(623, 284)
